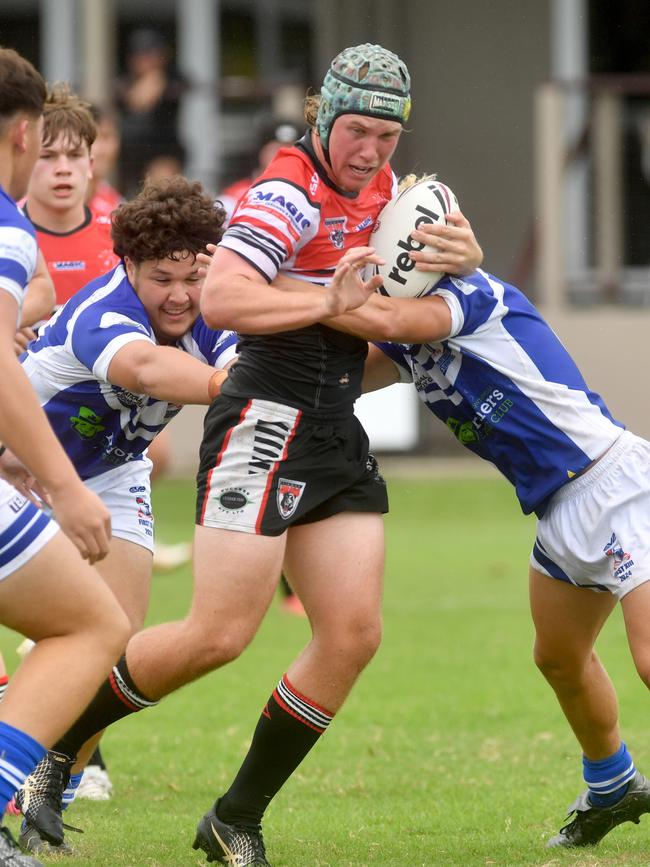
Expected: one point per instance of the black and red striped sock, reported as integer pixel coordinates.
(4, 683)
(288, 728)
(116, 698)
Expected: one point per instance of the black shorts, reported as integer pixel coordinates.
(265, 466)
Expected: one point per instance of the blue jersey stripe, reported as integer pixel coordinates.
(508, 390)
(18, 248)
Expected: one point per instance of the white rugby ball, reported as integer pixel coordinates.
(426, 201)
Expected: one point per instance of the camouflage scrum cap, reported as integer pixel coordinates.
(366, 79)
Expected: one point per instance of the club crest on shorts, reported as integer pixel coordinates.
(289, 494)
(622, 562)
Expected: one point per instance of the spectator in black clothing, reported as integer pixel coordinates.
(148, 100)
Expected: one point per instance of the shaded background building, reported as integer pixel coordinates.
(537, 114)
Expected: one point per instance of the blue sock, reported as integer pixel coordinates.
(71, 790)
(19, 755)
(608, 779)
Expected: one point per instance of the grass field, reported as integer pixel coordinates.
(450, 751)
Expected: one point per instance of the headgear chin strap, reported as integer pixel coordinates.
(366, 79)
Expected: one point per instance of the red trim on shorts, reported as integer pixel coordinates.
(118, 692)
(208, 481)
(285, 707)
(304, 698)
(269, 482)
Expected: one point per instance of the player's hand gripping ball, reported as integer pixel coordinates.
(425, 201)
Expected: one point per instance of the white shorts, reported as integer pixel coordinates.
(24, 529)
(126, 493)
(596, 530)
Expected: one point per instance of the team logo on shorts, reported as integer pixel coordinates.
(289, 494)
(622, 562)
(144, 509)
(19, 502)
(145, 518)
(233, 500)
(336, 226)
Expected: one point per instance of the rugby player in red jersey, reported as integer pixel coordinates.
(101, 196)
(75, 242)
(285, 473)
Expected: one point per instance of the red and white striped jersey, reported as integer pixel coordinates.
(295, 220)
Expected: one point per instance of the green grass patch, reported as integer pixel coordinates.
(450, 751)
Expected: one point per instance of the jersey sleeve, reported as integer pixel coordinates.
(213, 346)
(274, 220)
(471, 302)
(97, 335)
(18, 252)
(397, 354)
(224, 349)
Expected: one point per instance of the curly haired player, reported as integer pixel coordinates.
(111, 369)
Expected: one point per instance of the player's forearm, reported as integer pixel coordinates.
(161, 372)
(39, 301)
(397, 320)
(243, 305)
(375, 320)
(40, 297)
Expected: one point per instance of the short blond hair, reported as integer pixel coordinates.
(310, 107)
(66, 113)
(409, 180)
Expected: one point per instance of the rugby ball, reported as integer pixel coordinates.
(426, 201)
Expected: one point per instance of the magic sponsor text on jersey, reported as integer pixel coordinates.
(283, 204)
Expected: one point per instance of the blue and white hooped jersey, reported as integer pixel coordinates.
(18, 249)
(506, 387)
(100, 425)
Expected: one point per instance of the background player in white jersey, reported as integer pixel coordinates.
(77, 625)
(113, 367)
(284, 450)
(485, 362)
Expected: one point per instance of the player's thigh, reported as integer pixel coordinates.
(336, 567)
(567, 618)
(55, 593)
(636, 613)
(160, 454)
(126, 493)
(127, 571)
(235, 576)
